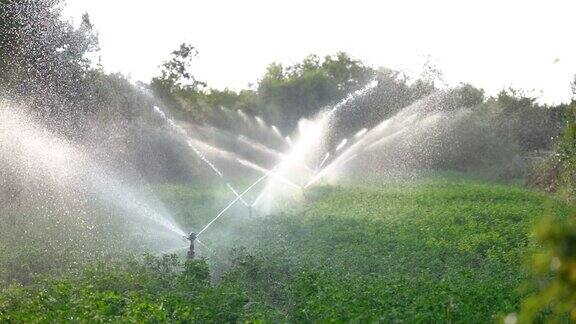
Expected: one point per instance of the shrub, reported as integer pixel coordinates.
(155, 289)
(555, 273)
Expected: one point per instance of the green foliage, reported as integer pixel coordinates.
(283, 96)
(301, 90)
(567, 151)
(435, 249)
(555, 266)
(558, 172)
(189, 98)
(532, 126)
(438, 251)
(177, 87)
(554, 269)
(501, 137)
(133, 291)
(176, 71)
(467, 95)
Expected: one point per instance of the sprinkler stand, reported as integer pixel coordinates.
(191, 237)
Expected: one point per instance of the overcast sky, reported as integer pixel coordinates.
(491, 44)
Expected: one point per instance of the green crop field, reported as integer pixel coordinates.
(435, 250)
(242, 162)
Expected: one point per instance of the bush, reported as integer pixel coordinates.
(567, 151)
(558, 172)
(155, 289)
(555, 273)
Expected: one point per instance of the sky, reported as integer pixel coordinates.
(492, 44)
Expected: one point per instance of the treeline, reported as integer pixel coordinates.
(45, 63)
(503, 135)
(282, 96)
(285, 94)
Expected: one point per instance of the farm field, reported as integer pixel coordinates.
(438, 249)
(269, 162)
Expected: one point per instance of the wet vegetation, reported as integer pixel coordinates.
(440, 249)
(471, 221)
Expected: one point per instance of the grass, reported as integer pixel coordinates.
(437, 249)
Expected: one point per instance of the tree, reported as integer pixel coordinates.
(176, 72)
(43, 59)
(467, 95)
(177, 87)
(301, 90)
(348, 73)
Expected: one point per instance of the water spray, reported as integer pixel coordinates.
(327, 168)
(195, 149)
(193, 237)
(276, 131)
(361, 133)
(234, 201)
(236, 194)
(323, 160)
(342, 144)
(265, 171)
(259, 147)
(260, 196)
(205, 246)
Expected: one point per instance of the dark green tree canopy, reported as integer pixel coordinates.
(176, 71)
(301, 90)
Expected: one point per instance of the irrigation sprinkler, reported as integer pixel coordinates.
(191, 237)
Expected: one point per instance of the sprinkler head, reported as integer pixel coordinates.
(191, 237)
